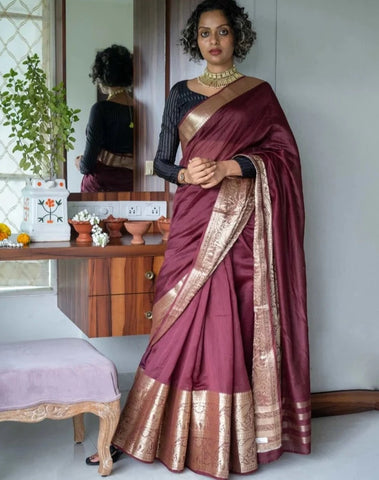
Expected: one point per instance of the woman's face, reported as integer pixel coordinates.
(215, 40)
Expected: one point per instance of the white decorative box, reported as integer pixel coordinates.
(45, 210)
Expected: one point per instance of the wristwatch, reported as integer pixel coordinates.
(181, 176)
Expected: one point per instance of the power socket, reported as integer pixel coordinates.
(149, 167)
(143, 210)
(152, 210)
(132, 210)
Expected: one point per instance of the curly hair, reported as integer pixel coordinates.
(113, 67)
(244, 35)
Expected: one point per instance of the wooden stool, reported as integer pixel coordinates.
(58, 379)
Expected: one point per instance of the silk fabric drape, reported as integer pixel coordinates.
(224, 383)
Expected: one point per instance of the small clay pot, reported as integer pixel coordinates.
(138, 230)
(114, 226)
(84, 230)
(164, 227)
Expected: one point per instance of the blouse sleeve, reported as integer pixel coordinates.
(164, 162)
(247, 167)
(94, 140)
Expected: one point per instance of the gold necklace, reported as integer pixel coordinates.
(115, 93)
(219, 80)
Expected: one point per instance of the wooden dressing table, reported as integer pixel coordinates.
(105, 291)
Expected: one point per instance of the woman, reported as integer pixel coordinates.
(107, 163)
(224, 382)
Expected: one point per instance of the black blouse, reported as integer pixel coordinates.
(180, 100)
(110, 128)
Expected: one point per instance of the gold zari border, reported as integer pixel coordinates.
(266, 342)
(203, 112)
(209, 432)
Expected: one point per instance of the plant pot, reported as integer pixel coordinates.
(45, 210)
(83, 229)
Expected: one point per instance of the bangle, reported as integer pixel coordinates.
(181, 176)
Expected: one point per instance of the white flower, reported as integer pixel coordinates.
(85, 216)
(99, 238)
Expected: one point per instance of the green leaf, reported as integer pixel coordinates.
(40, 120)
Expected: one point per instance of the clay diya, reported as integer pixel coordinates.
(83, 229)
(114, 226)
(164, 227)
(138, 229)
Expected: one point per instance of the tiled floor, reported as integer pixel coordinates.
(344, 447)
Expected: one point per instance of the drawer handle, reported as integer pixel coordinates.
(149, 275)
(149, 315)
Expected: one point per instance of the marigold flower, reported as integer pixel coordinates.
(23, 238)
(5, 229)
(3, 236)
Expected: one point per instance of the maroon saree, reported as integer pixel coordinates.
(113, 173)
(224, 382)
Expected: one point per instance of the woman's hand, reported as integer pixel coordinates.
(200, 170)
(77, 161)
(208, 173)
(227, 168)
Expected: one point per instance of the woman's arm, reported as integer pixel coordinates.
(94, 141)
(164, 161)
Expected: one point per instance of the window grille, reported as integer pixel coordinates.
(25, 29)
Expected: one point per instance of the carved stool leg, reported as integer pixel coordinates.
(78, 428)
(109, 417)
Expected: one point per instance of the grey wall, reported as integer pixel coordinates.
(327, 79)
(322, 58)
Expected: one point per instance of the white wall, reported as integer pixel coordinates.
(327, 78)
(323, 60)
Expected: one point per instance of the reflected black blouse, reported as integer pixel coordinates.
(110, 128)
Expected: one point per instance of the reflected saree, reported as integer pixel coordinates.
(113, 173)
(224, 382)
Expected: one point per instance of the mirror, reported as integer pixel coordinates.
(83, 27)
(91, 25)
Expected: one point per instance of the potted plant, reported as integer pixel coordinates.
(42, 127)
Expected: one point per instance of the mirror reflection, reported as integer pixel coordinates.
(91, 27)
(107, 162)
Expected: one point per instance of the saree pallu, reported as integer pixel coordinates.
(113, 173)
(224, 382)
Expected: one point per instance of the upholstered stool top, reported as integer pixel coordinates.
(65, 370)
